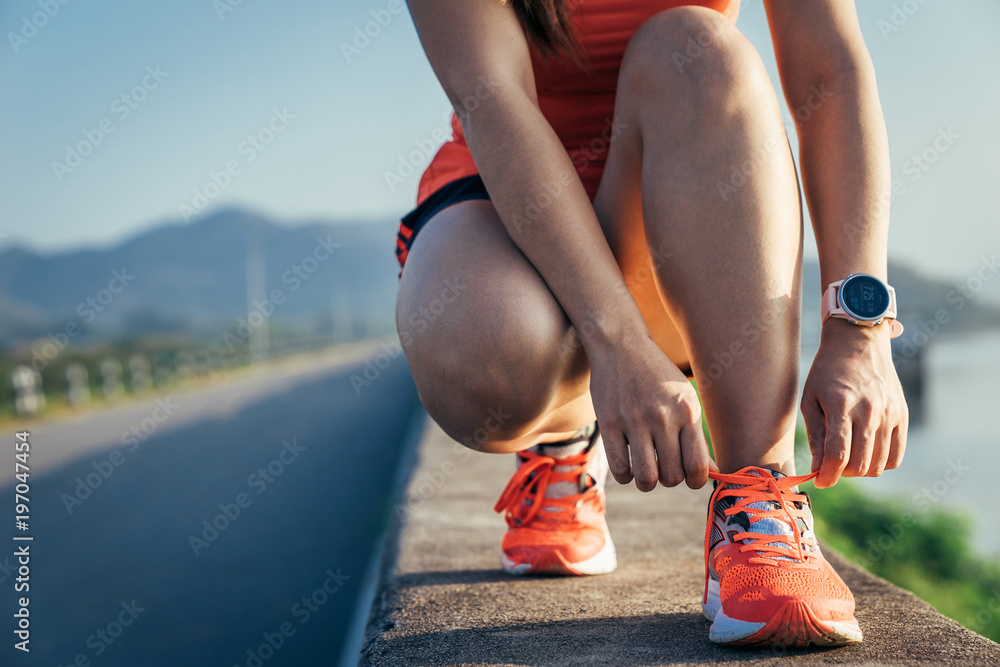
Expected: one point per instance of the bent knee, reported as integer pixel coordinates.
(690, 46)
(484, 417)
(487, 393)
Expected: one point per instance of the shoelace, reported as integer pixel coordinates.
(762, 488)
(531, 480)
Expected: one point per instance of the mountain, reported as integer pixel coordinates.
(333, 279)
(192, 279)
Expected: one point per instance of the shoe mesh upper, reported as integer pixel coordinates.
(808, 582)
(760, 543)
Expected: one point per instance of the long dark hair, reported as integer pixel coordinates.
(547, 24)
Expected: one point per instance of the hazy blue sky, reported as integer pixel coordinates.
(223, 75)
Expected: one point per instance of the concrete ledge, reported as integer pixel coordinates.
(443, 599)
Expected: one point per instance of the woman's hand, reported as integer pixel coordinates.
(855, 413)
(649, 412)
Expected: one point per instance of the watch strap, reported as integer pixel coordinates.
(831, 308)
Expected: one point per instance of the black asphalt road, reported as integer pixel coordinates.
(147, 569)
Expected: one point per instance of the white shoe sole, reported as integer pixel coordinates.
(603, 562)
(801, 629)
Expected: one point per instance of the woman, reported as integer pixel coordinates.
(618, 210)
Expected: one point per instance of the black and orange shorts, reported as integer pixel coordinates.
(464, 189)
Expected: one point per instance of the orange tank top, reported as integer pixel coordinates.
(579, 104)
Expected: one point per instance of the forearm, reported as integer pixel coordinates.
(853, 405)
(547, 213)
(530, 178)
(845, 173)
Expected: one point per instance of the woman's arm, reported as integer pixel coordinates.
(853, 404)
(481, 57)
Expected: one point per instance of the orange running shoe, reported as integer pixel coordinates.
(766, 581)
(558, 535)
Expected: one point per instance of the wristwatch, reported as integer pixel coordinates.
(862, 299)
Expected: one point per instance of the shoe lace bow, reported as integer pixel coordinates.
(524, 495)
(763, 488)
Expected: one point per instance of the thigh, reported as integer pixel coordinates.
(477, 321)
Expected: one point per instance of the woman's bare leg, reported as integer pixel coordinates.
(700, 190)
(489, 346)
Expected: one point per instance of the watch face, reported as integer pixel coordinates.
(864, 297)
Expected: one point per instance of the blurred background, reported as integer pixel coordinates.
(198, 200)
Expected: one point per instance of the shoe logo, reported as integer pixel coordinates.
(740, 519)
